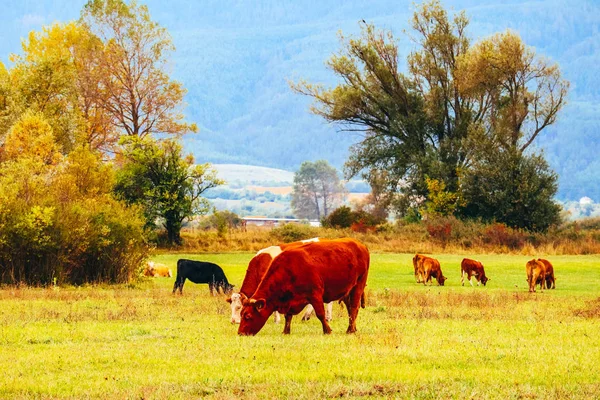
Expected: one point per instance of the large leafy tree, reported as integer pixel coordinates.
(431, 125)
(317, 190)
(167, 185)
(374, 98)
(137, 90)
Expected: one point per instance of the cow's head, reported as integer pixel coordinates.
(484, 279)
(441, 279)
(255, 314)
(236, 300)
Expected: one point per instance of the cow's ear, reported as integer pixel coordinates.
(259, 304)
(228, 300)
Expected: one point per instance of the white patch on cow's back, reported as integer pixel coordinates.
(274, 251)
(315, 239)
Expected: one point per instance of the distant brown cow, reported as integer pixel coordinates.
(535, 269)
(550, 280)
(429, 268)
(472, 268)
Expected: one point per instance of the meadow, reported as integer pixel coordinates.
(414, 341)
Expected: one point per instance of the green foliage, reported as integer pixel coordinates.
(293, 232)
(341, 217)
(167, 186)
(223, 221)
(440, 202)
(513, 189)
(345, 217)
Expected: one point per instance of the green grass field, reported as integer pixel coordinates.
(140, 341)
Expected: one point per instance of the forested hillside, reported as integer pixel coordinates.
(235, 59)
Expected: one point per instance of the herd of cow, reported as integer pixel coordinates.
(312, 274)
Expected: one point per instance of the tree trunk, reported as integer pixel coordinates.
(173, 227)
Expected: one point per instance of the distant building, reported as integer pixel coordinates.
(267, 221)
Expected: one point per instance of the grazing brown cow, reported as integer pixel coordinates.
(472, 268)
(535, 269)
(427, 268)
(550, 280)
(157, 270)
(254, 273)
(312, 273)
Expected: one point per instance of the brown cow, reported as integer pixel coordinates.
(254, 273)
(427, 268)
(550, 280)
(472, 268)
(535, 269)
(310, 274)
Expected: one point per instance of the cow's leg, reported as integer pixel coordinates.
(462, 277)
(179, 284)
(471, 279)
(307, 312)
(320, 313)
(211, 287)
(426, 278)
(288, 324)
(329, 311)
(276, 317)
(352, 302)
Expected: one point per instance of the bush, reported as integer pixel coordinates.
(59, 222)
(341, 217)
(358, 221)
(293, 232)
(500, 234)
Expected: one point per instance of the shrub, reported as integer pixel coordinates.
(358, 221)
(293, 232)
(341, 217)
(60, 222)
(500, 234)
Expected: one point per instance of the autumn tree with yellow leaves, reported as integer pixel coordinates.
(65, 102)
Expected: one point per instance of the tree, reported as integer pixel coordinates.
(317, 190)
(138, 93)
(166, 185)
(59, 74)
(511, 188)
(428, 127)
(375, 99)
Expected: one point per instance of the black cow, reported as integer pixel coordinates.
(201, 272)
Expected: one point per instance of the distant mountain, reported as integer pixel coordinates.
(236, 57)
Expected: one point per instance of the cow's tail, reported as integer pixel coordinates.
(362, 300)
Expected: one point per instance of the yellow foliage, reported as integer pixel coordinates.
(32, 137)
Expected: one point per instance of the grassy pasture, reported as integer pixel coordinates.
(140, 341)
